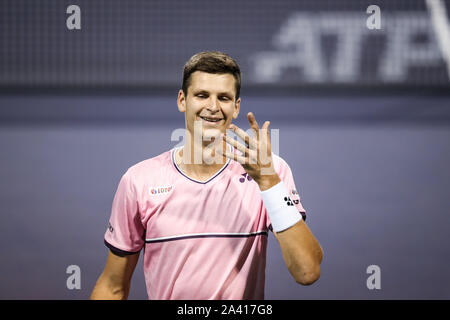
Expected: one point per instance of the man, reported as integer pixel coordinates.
(202, 211)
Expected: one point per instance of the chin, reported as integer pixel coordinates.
(211, 132)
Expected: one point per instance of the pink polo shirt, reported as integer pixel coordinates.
(201, 240)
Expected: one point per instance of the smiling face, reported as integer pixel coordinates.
(211, 100)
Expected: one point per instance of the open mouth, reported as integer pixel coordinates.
(211, 120)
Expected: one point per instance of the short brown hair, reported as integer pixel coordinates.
(211, 62)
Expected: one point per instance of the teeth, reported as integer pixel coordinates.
(211, 120)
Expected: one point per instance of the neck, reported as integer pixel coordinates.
(198, 157)
(203, 155)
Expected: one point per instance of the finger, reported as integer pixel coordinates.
(244, 136)
(233, 156)
(237, 145)
(265, 131)
(253, 124)
(265, 145)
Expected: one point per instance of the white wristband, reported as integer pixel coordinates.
(281, 210)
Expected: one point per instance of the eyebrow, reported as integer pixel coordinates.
(198, 91)
(202, 91)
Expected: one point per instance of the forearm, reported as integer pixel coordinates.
(302, 253)
(106, 290)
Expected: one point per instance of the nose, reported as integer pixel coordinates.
(213, 105)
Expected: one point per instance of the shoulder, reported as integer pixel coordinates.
(150, 167)
(280, 165)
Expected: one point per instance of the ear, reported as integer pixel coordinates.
(237, 108)
(181, 101)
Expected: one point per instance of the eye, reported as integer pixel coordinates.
(201, 95)
(224, 98)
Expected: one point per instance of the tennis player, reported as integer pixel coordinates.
(201, 212)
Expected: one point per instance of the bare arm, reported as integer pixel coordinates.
(114, 282)
(302, 252)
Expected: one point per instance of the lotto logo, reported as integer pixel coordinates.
(161, 190)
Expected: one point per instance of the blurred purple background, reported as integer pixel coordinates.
(376, 191)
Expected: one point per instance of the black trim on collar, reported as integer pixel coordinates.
(201, 182)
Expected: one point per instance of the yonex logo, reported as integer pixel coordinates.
(288, 200)
(161, 190)
(110, 227)
(294, 193)
(245, 175)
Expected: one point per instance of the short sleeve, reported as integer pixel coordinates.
(286, 177)
(125, 232)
